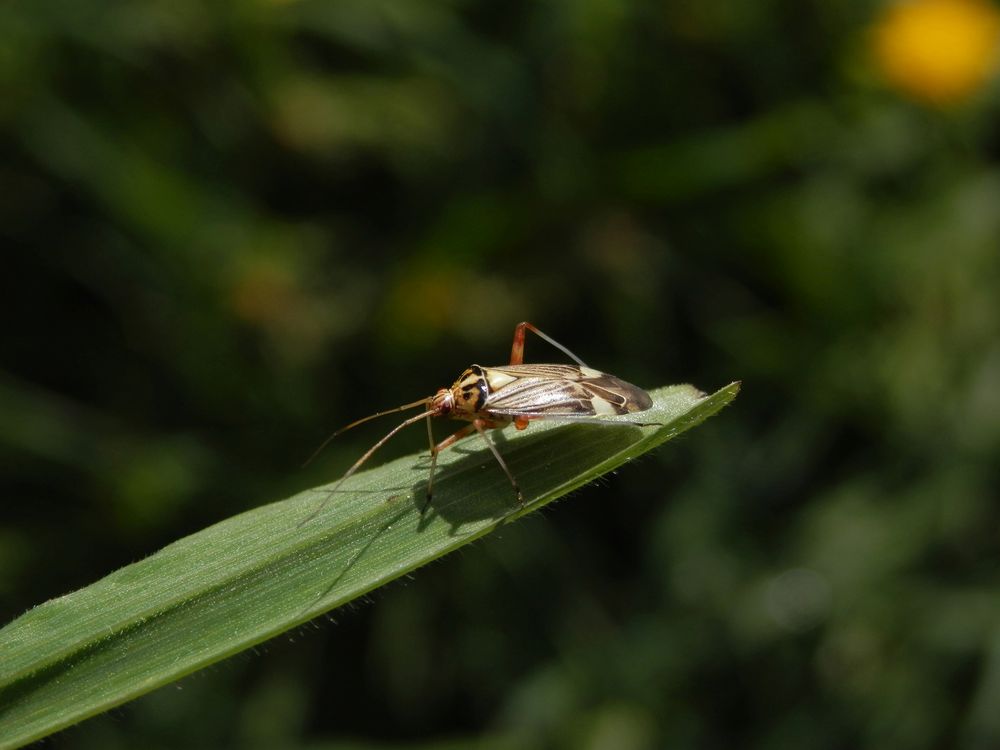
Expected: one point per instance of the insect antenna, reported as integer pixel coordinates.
(404, 407)
(357, 464)
(560, 347)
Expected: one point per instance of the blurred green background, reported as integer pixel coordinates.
(230, 228)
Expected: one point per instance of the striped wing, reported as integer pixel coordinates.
(565, 391)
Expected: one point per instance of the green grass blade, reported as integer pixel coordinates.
(253, 576)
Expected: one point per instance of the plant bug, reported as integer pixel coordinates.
(492, 398)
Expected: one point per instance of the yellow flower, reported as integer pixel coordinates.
(937, 51)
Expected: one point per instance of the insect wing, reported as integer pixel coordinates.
(565, 391)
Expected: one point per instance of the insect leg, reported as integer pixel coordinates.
(479, 425)
(435, 449)
(517, 349)
(365, 457)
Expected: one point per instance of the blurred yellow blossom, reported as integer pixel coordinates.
(937, 51)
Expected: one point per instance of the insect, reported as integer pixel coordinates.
(492, 398)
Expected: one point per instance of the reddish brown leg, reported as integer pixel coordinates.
(517, 349)
(480, 425)
(435, 449)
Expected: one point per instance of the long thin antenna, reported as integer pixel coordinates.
(326, 442)
(365, 457)
(558, 346)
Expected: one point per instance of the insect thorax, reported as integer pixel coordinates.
(469, 392)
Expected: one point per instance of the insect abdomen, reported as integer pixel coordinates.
(560, 391)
